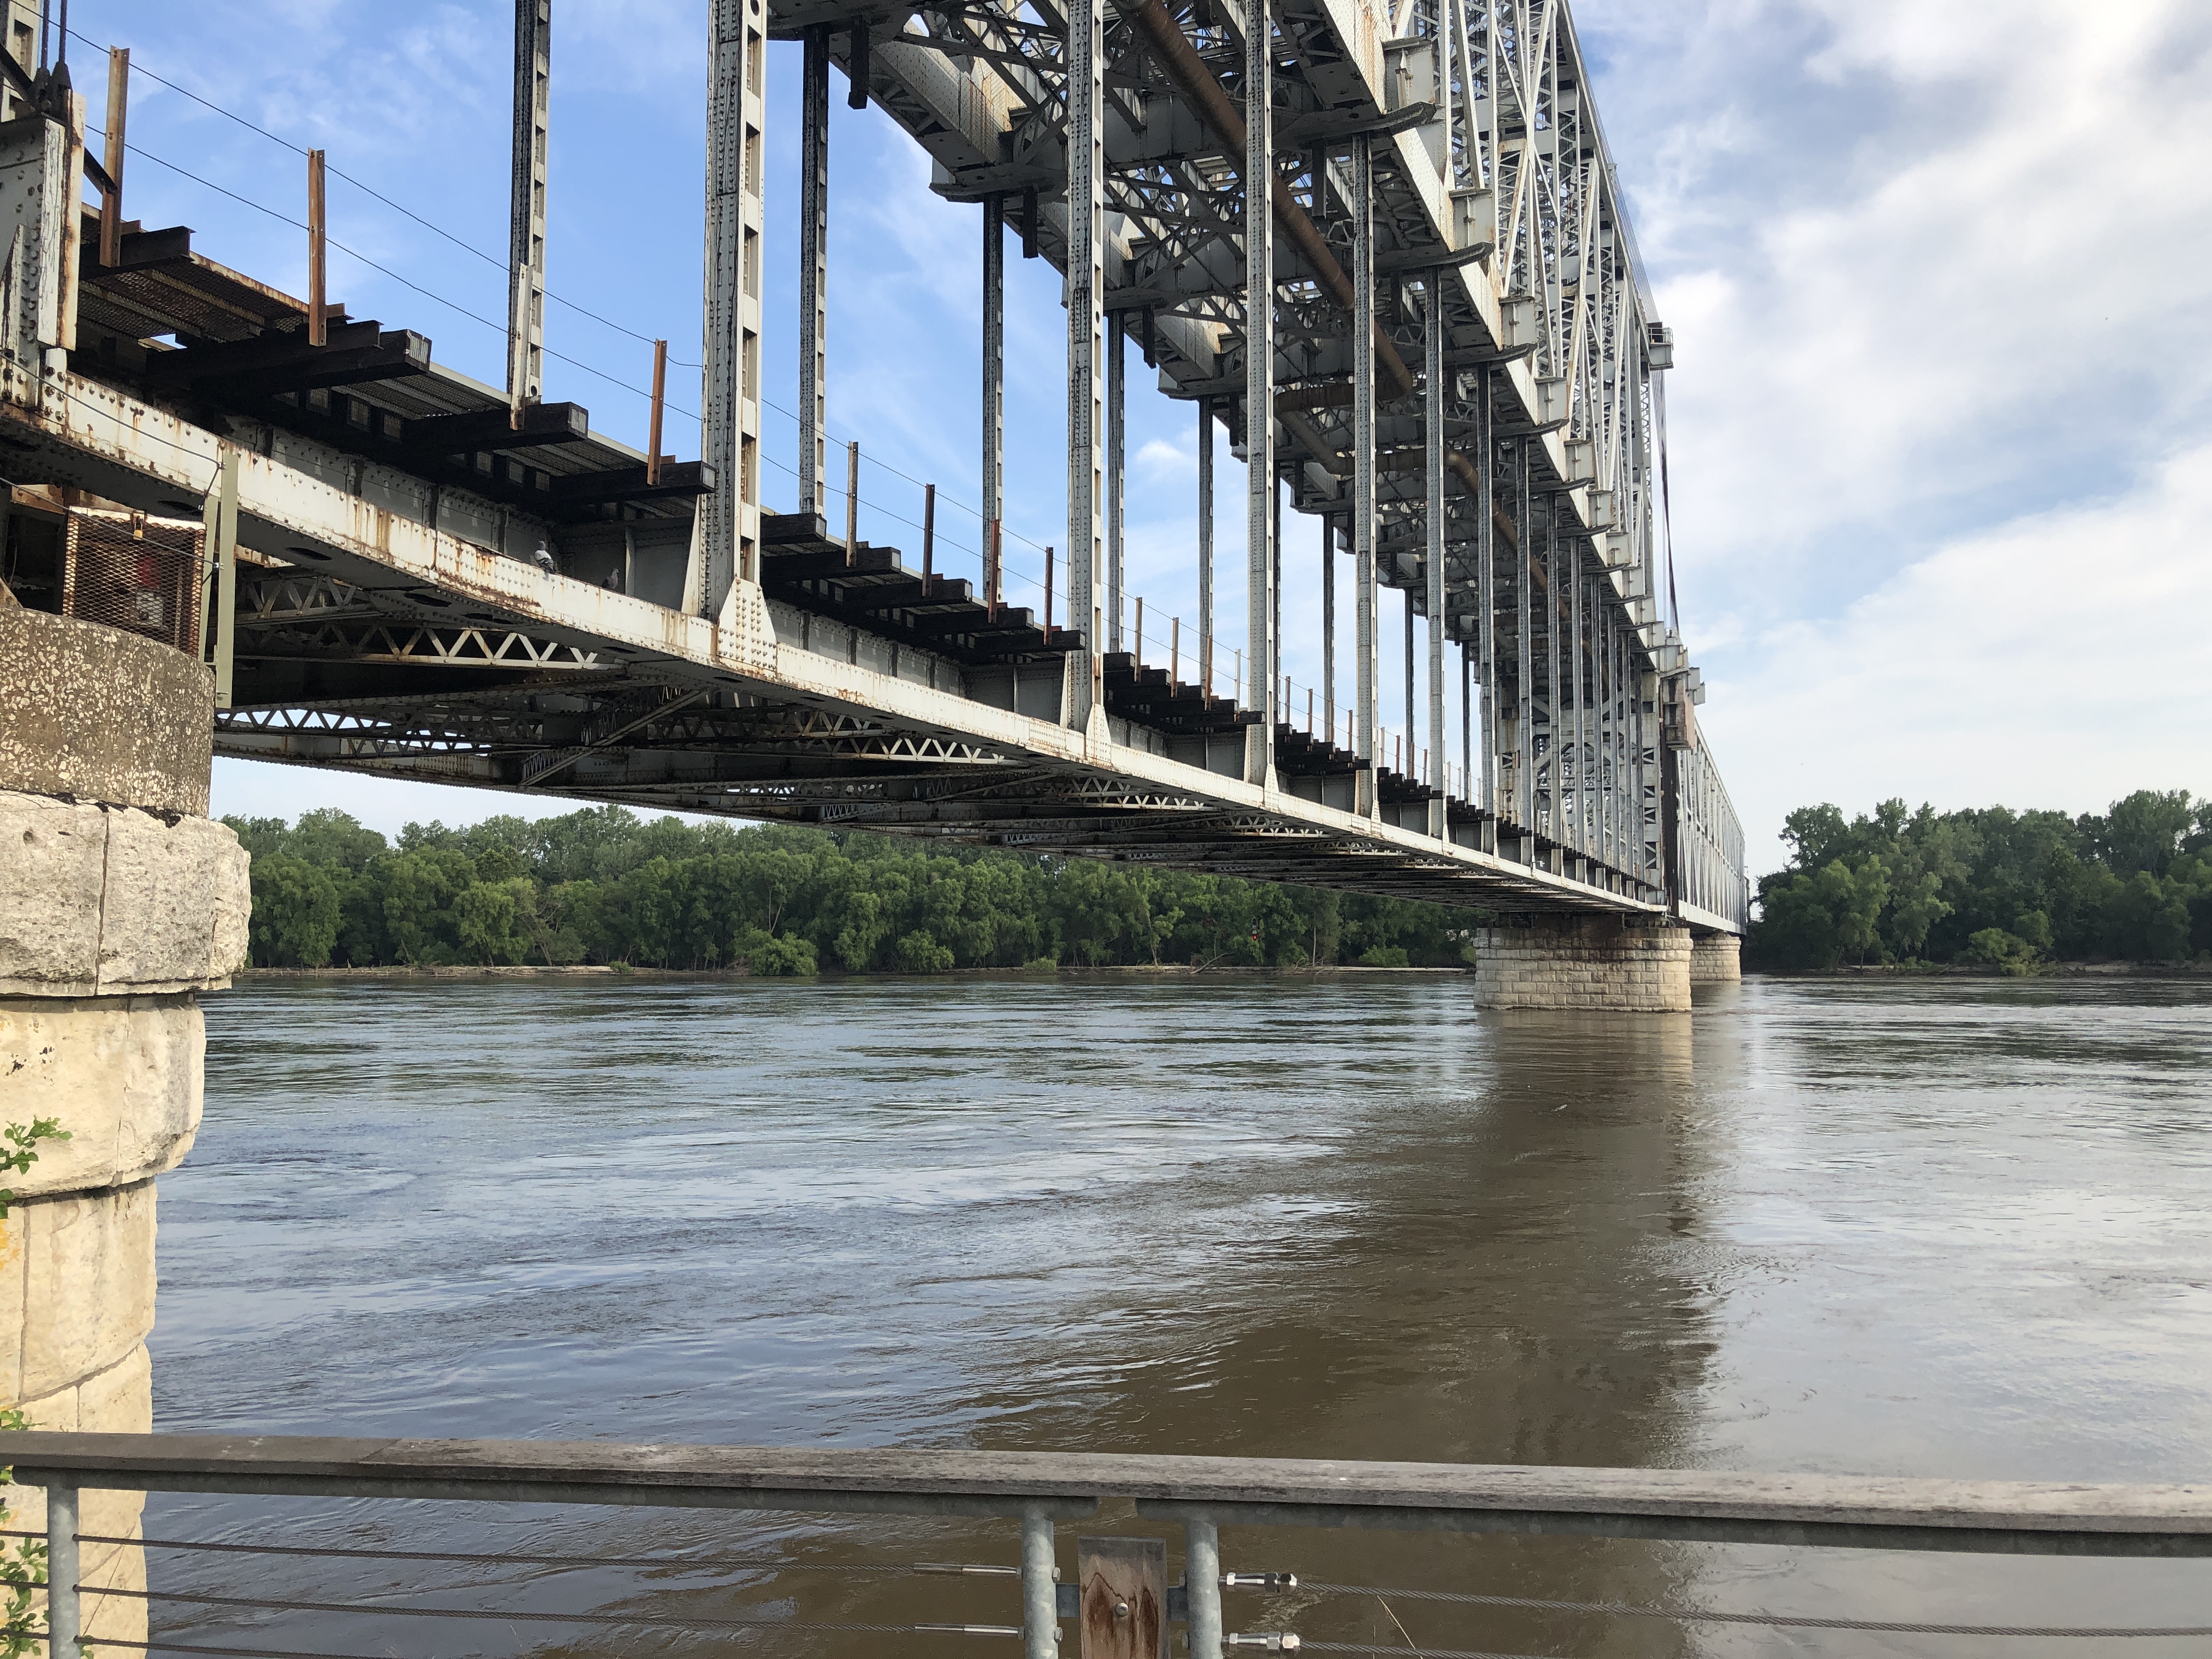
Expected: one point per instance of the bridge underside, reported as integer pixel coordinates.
(399, 571)
(369, 640)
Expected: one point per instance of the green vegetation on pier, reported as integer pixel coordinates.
(2004, 890)
(603, 886)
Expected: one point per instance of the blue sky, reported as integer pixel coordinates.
(1941, 432)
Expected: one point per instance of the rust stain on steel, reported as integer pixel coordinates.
(1125, 1597)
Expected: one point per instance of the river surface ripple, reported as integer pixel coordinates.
(1923, 1228)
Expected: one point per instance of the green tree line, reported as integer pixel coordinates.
(2005, 890)
(604, 885)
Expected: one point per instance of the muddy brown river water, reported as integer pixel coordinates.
(1930, 1228)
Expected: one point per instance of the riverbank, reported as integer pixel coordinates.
(1322, 971)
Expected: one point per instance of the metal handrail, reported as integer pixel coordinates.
(1203, 1494)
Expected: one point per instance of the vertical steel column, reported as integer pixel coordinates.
(1466, 784)
(1039, 1593)
(814, 269)
(223, 552)
(1329, 534)
(1275, 589)
(64, 1608)
(1485, 629)
(1086, 345)
(1201, 1577)
(994, 374)
(1365, 623)
(1434, 467)
(1575, 590)
(1646, 831)
(1206, 544)
(1621, 816)
(1555, 780)
(1117, 375)
(525, 304)
(1524, 669)
(727, 532)
(1412, 727)
(1260, 383)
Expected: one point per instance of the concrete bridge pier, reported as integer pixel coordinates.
(119, 902)
(1586, 963)
(1715, 959)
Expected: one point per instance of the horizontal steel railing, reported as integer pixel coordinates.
(1203, 1494)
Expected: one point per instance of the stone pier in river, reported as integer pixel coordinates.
(1583, 962)
(119, 901)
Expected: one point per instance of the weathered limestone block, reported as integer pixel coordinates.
(1584, 962)
(101, 714)
(112, 901)
(1715, 959)
(118, 1401)
(122, 1075)
(176, 904)
(76, 1287)
(53, 870)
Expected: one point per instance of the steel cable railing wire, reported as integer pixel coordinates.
(1715, 1616)
(394, 1610)
(502, 1558)
(39, 1636)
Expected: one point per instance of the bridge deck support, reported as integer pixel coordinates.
(1715, 959)
(1592, 962)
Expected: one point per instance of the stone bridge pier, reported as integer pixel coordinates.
(1715, 959)
(119, 902)
(1588, 963)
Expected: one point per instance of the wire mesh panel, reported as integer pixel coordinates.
(136, 572)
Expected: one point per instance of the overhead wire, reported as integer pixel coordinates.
(601, 374)
(137, 68)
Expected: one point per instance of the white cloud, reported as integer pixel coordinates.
(2057, 661)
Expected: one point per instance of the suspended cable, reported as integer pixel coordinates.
(137, 68)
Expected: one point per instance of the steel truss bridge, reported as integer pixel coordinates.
(1436, 300)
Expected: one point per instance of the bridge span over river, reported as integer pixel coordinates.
(391, 568)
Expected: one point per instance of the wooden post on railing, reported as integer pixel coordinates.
(1137, 657)
(852, 500)
(1309, 700)
(1174, 650)
(928, 534)
(660, 402)
(1047, 593)
(111, 201)
(318, 311)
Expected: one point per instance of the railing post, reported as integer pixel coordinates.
(1201, 1577)
(1039, 1593)
(64, 1617)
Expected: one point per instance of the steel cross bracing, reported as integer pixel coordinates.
(392, 620)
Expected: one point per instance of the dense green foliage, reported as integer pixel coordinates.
(603, 886)
(2001, 889)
